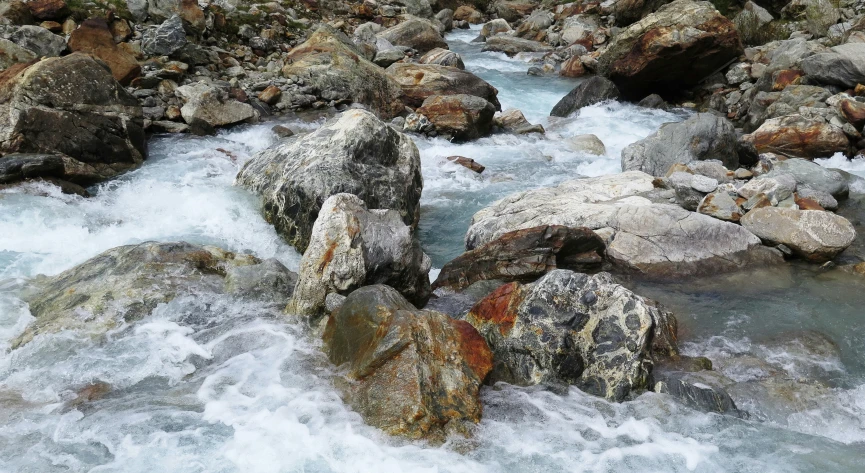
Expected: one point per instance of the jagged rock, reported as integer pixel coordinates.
(721, 205)
(165, 39)
(524, 255)
(798, 136)
(815, 235)
(421, 81)
(126, 283)
(702, 136)
(351, 247)
(416, 33)
(212, 105)
(11, 53)
(419, 8)
(330, 64)
(853, 112)
(670, 50)
(513, 121)
(187, 10)
(415, 373)
(569, 328)
(42, 42)
(442, 57)
(775, 189)
(494, 27)
(536, 25)
(591, 91)
(752, 14)
(355, 153)
(465, 117)
(573, 67)
(93, 37)
(386, 57)
(653, 240)
(511, 45)
(589, 144)
(842, 65)
(73, 106)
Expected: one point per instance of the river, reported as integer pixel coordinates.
(210, 384)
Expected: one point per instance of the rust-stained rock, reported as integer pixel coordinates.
(513, 121)
(671, 49)
(806, 203)
(416, 33)
(421, 81)
(573, 67)
(467, 163)
(854, 112)
(95, 38)
(270, 95)
(721, 205)
(786, 77)
(525, 255)
(465, 117)
(469, 14)
(48, 9)
(800, 137)
(413, 373)
(442, 57)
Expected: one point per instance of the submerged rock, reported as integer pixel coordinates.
(815, 235)
(422, 81)
(513, 121)
(351, 247)
(72, 105)
(414, 373)
(701, 389)
(126, 283)
(589, 92)
(355, 153)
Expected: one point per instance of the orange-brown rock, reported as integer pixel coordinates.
(94, 37)
(782, 79)
(468, 163)
(854, 112)
(120, 29)
(573, 67)
(806, 203)
(799, 137)
(421, 81)
(270, 95)
(48, 9)
(52, 26)
(413, 373)
(465, 117)
(469, 14)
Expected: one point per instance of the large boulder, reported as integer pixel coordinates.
(842, 65)
(809, 174)
(42, 42)
(815, 235)
(94, 37)
(212, 105)
(702, 136)
(125, 284)
(569, 328)
(351, 247)
(71, 105)
(511, 45)
(670, 50)
(653, 240)
(165, 39)
(422, 81)
(524, 255)
(468, 13)
(591, 91)
(465, 117)
(414, 373)
(416, 33)
(332, 66)
(799, 137)
(355, 153)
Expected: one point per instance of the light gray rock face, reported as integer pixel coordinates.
(511, 45)
(165, 39)
(416, 33)
(419, 8)
(351, 247)
(72, 105)
(721, 205)
(138, 9)
(842, 65)
(703, 136)
(591, 91)
(494, 27)
(776, 188)
(795, 96)
(356, 153)
(126, 283)
(569, 328)
(40, 41)
(811, 175)
(815, 235)
(11, 53)
(212, 105)
(654, 240)
(442, 57)
(446, 18)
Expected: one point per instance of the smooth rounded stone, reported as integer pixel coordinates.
(700, 137)
(212, 105)
(654, 101)
(95, 38)
(512, 45)
(799, 137)
(670, 50)
(351, 247)
(416, 33)
(524, 255)
(465, 117)
(469, 14)
(413, 373)
(658, 241)
(573, 67)
(73, 106)
(513, 121)
(421, 81)
(48, 9)
(812, 175)
(386, 57)
(710, 168)
(494, 27)
(591, 91)
(815, 235)
(721, 205)
(126, 283)
(11, 53)
(588, 144)
(420, 8)
(704, 390)
(822, 198)
(776, 188)
(569, 328)
(332, 66)
(442, 57)
(703, 184)
(39, 40)
(165, 39)
(355, 153)
(446, 18)
(842, 65)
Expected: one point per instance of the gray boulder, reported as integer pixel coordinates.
(842, 65)
(416, 33)
(512, 45)
(815, 235)
(811, 175)
(40, 41)
(165, 39)
(351, 247)
(701, 389)
(591, 91)
(355, 153)
(442, 57)
(701, 137)
(212, 105)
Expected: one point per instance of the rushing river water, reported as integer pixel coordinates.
(248, 391)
